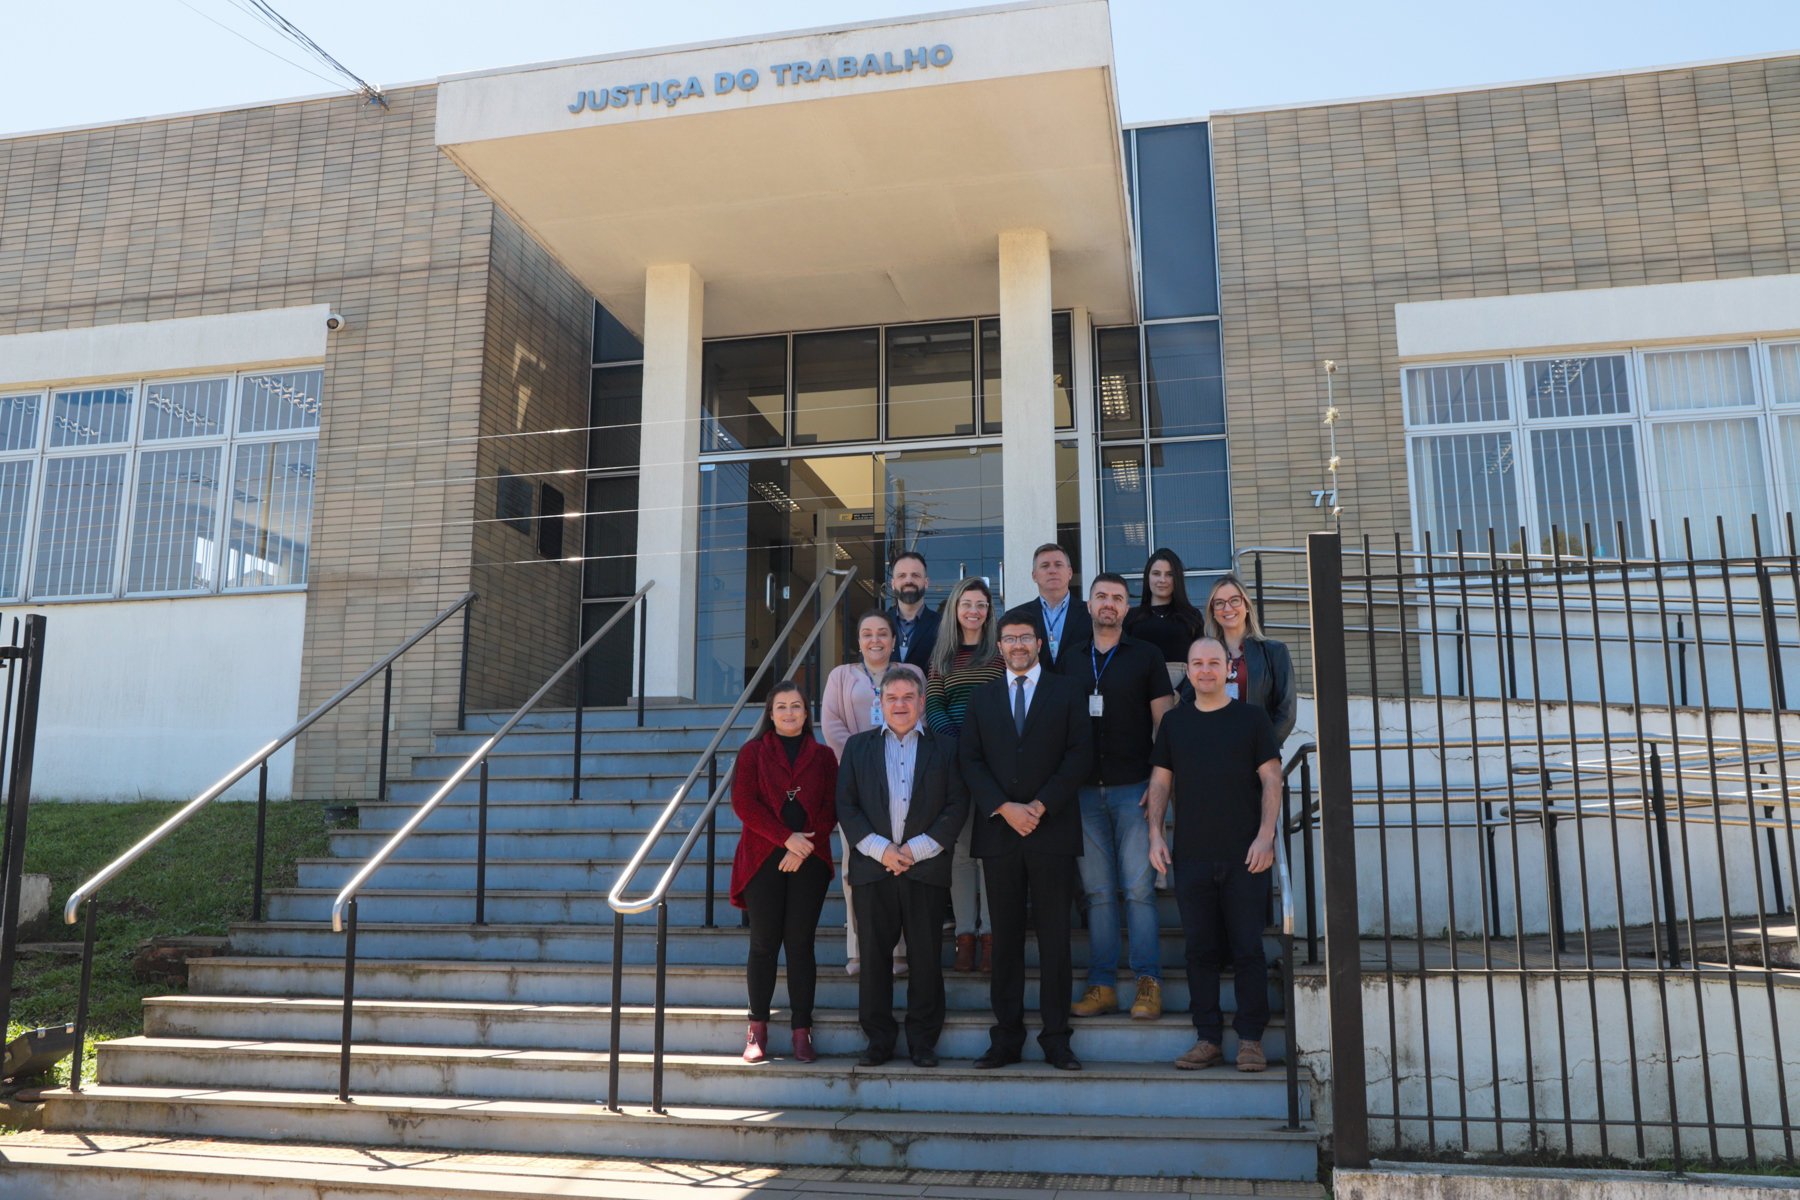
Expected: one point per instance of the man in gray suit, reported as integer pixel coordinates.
(901, 802)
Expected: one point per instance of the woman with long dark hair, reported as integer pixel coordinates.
(967, 655)
(1165, 618)
(785, 794)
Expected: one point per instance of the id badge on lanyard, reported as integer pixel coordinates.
(1096, 705)
(876, 720)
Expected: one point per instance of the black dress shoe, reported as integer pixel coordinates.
(874, 1058)
(995, 1058)
(1064, 1061)
(925, 1058)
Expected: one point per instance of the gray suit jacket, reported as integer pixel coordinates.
(940, 803)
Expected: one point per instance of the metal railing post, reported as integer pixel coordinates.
(580, 704)
(1665, 868)
(349, 1001)
(18, 804)
(481, 826)
(262, 830)
(81, 1000)
(1337, 819)
(618, 987)
(1262, 615)
(662, 974)
(712, 831)
(1293, 1047)
(387, 709)
(643, 620)
(1306, 856)
(462, 676)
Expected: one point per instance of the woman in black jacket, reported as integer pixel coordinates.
(1165, 618)
(1261, 671)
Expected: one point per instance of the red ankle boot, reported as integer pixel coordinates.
(803, 1047)
(756, 1045)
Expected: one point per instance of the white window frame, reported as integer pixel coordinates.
(134, 448)
(1520, 425)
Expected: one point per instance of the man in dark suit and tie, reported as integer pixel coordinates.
(1027, 744)
(1063, 622)
(901, 801)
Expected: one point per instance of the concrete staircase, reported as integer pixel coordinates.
(495, 1037)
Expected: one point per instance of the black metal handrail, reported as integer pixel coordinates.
(22, 742)
(658, 895)
(345, 904)
(260, 759)
(1285, 882)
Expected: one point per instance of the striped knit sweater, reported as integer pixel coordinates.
(947, 696)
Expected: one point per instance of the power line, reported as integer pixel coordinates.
(264, 13)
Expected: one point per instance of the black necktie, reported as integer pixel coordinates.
(1019, 704)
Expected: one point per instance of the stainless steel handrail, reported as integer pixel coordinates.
(73, 908)
(1281, 859)
(474, 760)
(616, 898)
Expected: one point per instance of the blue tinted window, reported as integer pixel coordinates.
(1124, 528)
(615, 415)
(1175, 222)
(612, 341)
(1186, 384)
(1193, 502)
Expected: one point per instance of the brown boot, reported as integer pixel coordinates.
(1251, 1057)
(1148, 1005)
(987, 953)
(965, 952)
(1203, 1055)
(1098, 1000)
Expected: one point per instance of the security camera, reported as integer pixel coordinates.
(334, 322)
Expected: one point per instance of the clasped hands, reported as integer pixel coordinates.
(1023, 817)
(799, 849)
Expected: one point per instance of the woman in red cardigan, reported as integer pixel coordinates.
(785, 794)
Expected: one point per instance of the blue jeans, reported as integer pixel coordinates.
(1115, 857)
(1225, 894)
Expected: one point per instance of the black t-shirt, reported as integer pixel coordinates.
(1217, 794)
(1129, 680)
(1161, 627)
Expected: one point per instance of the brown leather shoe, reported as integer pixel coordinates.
(1148, 1004)
(965, 952)
(1098, 1000)
(1251, 1057)
(1203, 1055)
(987, 953)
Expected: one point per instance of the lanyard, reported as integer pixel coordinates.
(1053, 624)
(907, 629)
(876, 720)
(1100, 667)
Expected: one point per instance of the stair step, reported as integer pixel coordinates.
(540, 803)
(1177, 1146)
(505, 872)
(360, 845)
(598, 762)
(693, 737)
(710, 716)
(687, 1029)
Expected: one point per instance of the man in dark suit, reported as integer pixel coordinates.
(1062, 620)
(1027, 744)
(902, 803)
(917, 625)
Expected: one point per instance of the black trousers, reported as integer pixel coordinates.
(1211, 894)
(784, 909)
(1043, 887)
(885, 909)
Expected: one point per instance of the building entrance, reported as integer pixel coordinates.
(768, 526)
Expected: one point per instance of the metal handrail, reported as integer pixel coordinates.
(1292, 1056)
(72, 909)
(478, 758)
(658, 895)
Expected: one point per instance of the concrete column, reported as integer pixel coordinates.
(668, 474)
(1028, 435)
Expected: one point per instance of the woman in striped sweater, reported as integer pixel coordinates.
(958, 666)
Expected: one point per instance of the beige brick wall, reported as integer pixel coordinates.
(1330, 215)
(333, 201)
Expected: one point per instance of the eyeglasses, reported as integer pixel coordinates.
(1018, 639)
(1228, 603)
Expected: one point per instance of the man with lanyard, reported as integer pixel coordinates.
(1127, 689)
(917, 624)
(1065, 623)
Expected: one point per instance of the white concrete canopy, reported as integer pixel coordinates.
(874, 197)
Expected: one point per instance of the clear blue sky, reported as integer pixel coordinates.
(70, 64)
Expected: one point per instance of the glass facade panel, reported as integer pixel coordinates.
(1706, 470)
(1458, 395)
(1578, 387)
(91, 418)
(270, 514)
(79, 528)
(1068, 501)
(19, 421)
(1191, 491)
(609, 551)
(174, 525)
(612, 341)
(192, 408)
(15, 506)
(1689, 379)
(1587, 483)
(283, 400)
(1063, 365)
(836, 386)
(1124, 509)
(1120, 391)
(1185, 380)
(1784, 374)
(930, 380)
(1467, 483)
(1175, 221)
(743, 394)
(615, 416)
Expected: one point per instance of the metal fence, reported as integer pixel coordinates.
(1557, 848)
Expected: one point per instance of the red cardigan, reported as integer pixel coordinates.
(760, 788)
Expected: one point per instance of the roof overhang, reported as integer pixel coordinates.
(874, 197)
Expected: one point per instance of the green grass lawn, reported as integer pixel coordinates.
(196, 882)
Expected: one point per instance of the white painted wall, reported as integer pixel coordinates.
(226, 341)
(157, 699)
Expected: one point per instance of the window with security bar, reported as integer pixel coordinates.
(158, 487)
(1584, 453)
